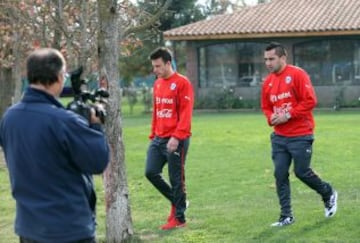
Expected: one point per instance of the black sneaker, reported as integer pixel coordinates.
(283, 221)
(331, 205)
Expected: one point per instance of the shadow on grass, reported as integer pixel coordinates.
(134, 239)
(314, 227)
(271, 233)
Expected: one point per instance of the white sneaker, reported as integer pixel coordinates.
(331, 205)
(283, 221)
(187, 203)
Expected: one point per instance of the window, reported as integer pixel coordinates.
(330, 62)
(231, 65)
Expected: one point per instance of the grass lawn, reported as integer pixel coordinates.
(230, 184)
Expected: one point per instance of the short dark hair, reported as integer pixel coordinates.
(279, 48)
(163, 53)
(44, 65)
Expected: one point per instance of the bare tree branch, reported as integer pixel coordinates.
(150, 21)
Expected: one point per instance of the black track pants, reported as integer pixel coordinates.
(299, 150)
(157, 157)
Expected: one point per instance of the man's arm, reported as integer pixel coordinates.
(266, 105)
(305, 95)
(153, 119)
(87, 146)
(185, 103)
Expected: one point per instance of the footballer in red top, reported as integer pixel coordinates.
(173, 101)
(287, 100)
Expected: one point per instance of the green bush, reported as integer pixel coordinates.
(224, 99)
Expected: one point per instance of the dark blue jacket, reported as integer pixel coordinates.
(51, 153)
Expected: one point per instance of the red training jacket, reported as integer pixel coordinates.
(173, 102)
(290, 91)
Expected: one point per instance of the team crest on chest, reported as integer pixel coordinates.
(173, 86)
(288, 79)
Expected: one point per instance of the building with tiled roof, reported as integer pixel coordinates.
(322, 36)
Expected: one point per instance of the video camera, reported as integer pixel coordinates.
(80, 104)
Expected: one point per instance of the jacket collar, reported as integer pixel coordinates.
(32, 95)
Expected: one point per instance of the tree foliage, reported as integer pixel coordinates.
(181, 12)
(56, 23)
(178, 13)
(216, 7)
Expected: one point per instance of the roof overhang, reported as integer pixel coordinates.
(260, 35)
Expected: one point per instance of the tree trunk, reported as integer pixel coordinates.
(6, 89)
(84, 36)
(118, 216)
(59, 17)
(16, 70)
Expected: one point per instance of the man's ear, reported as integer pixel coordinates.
(170, 64)
(283, 58)
(61, 80)
(60, 77)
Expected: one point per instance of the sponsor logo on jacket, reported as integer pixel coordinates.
(284, 95)
(164, 113)
(160, 100)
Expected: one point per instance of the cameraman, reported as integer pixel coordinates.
(51, 153)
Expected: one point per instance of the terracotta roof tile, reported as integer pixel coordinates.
(277, 18)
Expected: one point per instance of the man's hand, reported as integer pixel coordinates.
(277, 119)
(172, 144)
(93, 117)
